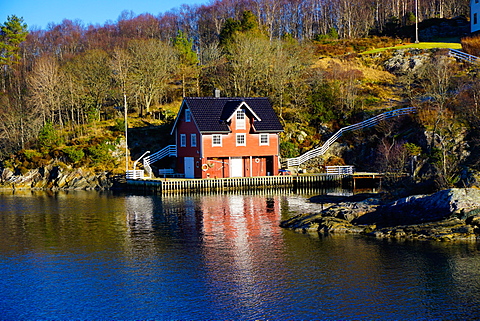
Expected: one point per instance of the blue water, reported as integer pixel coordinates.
(88, 255)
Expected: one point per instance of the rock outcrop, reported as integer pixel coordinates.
(56, 178)
(446, 215)
(406, 60)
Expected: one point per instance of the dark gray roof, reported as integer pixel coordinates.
(210, 114)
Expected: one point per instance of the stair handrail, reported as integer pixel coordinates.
(297, 161)
(463, 56)
(170, 150)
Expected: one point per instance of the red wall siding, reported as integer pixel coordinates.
(229, 146)
(187, 129)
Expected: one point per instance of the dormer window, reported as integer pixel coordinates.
(240, 124)
(187, 115)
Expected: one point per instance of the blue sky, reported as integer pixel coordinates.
(38, 13)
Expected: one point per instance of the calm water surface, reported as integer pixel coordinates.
(88, 255)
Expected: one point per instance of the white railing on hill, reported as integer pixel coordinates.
(463, 56)
(297, 161)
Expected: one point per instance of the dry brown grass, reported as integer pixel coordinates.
(370, 74)
(471, 45)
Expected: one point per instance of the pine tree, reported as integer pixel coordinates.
(188, 57)
(12, 34)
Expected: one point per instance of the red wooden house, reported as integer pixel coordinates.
(227, 137)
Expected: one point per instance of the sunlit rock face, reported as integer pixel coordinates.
(451, 214)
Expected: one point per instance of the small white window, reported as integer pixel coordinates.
(193, 140)
(241, 141)
(217, 140)
(187, 115)
(264, 140)
(183, 140)
(240, 119)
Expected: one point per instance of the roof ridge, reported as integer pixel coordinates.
(226, 98)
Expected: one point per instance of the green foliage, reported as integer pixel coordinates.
(435, 156)
(184, 46)
(230, 27)
(74, 153)
(31, 154)
(248, 23)
(322, 102)
(48, 138)
(119, 125)
(12, 33)
(412, 149)
(288, 149)
(100, 153)
(330, 35)
(410, 17)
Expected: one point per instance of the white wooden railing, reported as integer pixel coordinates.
(463, 56)
(169, 151)
(297, 161)
(135, 174)
(338, 170)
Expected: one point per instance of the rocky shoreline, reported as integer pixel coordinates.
(452, 214)
(57, 178)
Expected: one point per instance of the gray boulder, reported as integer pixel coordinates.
(417, 209)
(452, 214)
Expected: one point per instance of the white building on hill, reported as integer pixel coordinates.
(474, 15)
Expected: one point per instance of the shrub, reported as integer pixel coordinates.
(48, 138)
(119, 125)
(74, 153)
(99, 153)
(30, 154)
(288, 149)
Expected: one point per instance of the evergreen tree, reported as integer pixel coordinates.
(12, 33)
(187, 56)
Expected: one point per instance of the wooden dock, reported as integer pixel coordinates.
(175, 185)
(366, 178)
(171, 185)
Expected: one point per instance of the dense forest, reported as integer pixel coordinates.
(56, 83)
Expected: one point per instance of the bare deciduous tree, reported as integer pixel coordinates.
(154, 64)
(45, 89)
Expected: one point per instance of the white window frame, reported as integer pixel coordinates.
(239, 137)
(264, 136)
(214, 143)
(241, 119)
(193, 140)
(183, 140)
(188, 116)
